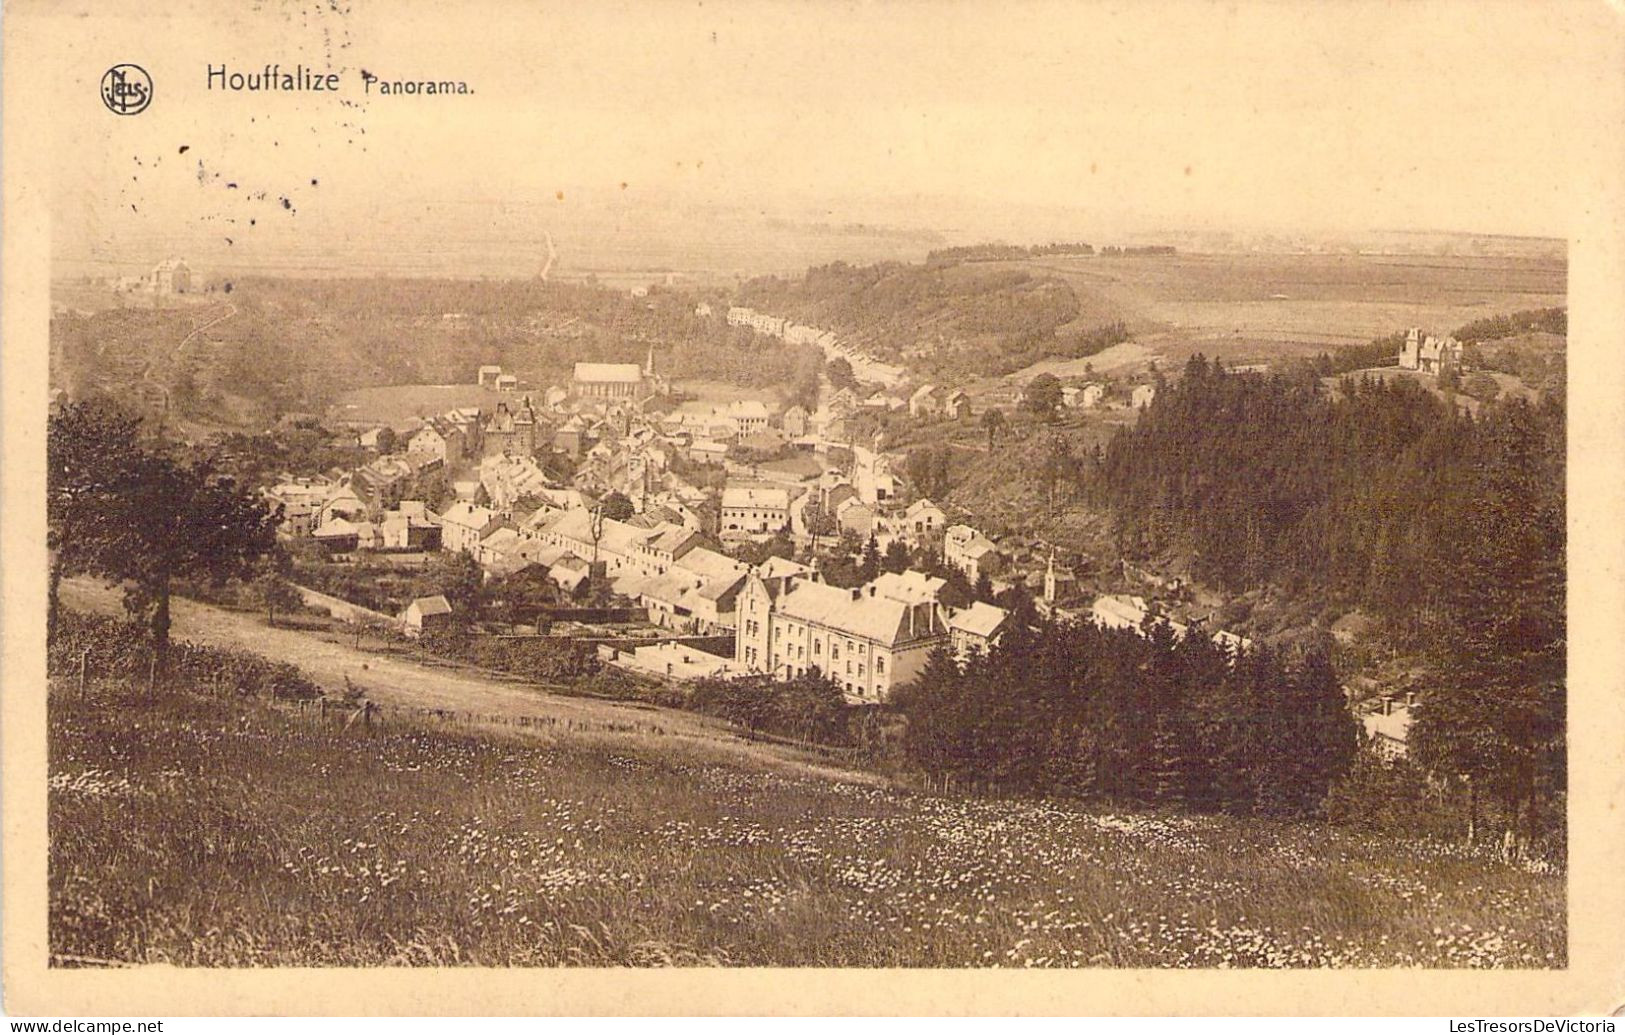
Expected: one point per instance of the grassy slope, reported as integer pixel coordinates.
(211, 832)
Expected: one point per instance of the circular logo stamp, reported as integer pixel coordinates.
(126, 89)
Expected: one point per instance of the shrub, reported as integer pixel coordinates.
(115, 649)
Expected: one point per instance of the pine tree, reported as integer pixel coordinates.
(1493, 711)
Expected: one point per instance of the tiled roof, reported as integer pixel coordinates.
(979, 619)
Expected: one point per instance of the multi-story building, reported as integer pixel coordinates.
(463, 525)
(869, 639)
(510, 431)
(971, 552)
(1429, 354)
(754, 510)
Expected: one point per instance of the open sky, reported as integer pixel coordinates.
(659, 132)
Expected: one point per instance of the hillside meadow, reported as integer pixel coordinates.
(207, 831)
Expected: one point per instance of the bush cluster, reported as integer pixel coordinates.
(112, 648)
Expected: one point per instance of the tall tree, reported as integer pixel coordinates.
(1043, 395)
(91, 449)
(896, 558)
(617, 507)
(177, 520)
(275, 593)
(870, 565)
(1493, 710)
(993, 423)
(839, 373)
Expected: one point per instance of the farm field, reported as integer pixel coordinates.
(1257, 307)
(211, 832)
(400, 404)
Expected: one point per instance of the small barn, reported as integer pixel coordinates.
(425, 614)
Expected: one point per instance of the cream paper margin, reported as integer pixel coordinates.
(45, 61)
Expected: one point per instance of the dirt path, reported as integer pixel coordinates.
(231, 310)
(404, 680)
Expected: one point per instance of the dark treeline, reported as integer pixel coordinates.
(1551, 321)
(1268, 480)
(995, 252)
(1116, 251)
(1081, 711)
(1379, 352)
(1448, 527)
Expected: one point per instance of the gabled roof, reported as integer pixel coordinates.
(616, 537)
(498, 537)
(467, 515)
(979, 619)
(708, 564)
(336, 527)
(671, 539)
(435, 605)
(755, 496)
(779, 567)
(872, 617)
(716, 589)
(913, 587)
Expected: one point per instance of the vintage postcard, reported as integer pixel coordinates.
(507, 501)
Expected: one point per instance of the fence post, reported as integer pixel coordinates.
(84, 659)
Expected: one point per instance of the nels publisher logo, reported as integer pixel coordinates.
(126, 89)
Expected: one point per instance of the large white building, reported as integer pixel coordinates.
(754, 510)
(869, 639)
(463, 525)
(607, 380)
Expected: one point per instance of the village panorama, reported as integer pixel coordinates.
(1145, 603)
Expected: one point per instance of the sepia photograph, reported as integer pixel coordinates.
(888, 486)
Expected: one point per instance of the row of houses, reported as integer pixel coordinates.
(1124, 611)
(409, 526)
(931, 400)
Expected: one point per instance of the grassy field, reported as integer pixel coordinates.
(400, 404)
(201, 831)
(1253, 308)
